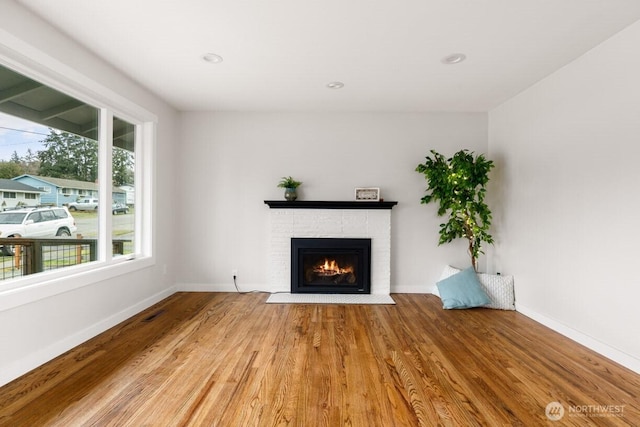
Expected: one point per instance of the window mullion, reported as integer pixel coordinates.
(144, 179)
(105, 222)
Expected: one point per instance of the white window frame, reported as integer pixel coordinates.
(24, 59)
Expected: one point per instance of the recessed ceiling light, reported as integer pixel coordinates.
(335, 85)
(212, 58)
(454, 58)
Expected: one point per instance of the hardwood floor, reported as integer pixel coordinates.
(223, 359)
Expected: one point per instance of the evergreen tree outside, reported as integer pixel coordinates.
(10, 169)
(30, 163)
(122, 167)
(69, 156)
(15, 158)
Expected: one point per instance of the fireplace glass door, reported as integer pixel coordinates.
(330, 265)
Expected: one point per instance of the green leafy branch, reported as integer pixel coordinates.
(458, 184)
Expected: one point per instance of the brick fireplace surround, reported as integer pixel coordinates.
(329, 219)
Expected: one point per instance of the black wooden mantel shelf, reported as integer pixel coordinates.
(322, 204)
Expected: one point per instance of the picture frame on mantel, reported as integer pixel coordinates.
(367, 194)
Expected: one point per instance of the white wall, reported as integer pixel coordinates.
(33, 332)
(567, 187)
(231, 162)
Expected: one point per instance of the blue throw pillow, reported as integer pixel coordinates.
(462, 290)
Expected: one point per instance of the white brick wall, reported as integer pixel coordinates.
(352, 223)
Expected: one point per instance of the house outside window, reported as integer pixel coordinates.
(8, 194)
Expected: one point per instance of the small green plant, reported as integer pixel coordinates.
(458, 185)
(288, 182)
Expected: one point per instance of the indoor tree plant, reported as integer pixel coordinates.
(290, 185)
(458, 184)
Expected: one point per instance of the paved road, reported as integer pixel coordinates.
(88, 225)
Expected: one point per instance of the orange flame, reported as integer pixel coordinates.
(331, 268)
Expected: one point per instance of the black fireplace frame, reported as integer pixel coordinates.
(362, 247)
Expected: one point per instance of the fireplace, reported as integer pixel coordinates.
(331, 265)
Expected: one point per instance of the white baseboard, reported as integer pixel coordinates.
(612, 353)
(399, 289)
(222, 287)
(229, 287)
(37, 358)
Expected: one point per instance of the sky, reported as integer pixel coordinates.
(19, 135)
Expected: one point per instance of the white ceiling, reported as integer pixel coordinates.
(279, 55)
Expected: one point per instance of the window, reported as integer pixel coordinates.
(12, 217)
(35, 217)
(123, 174)
(60, 213)
(9, 194)
(67, 147)
(47, 216)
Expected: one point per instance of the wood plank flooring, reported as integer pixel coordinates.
(224, 359)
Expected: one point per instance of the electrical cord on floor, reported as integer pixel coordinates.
(235, 283)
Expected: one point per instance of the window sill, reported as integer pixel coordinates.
(31, 289)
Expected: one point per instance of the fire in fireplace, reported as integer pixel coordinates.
(330, 265)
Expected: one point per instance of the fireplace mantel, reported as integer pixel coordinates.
(327, 204)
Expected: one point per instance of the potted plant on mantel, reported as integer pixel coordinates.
(290, 186)
(458, 184)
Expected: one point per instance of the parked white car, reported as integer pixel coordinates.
(36, 222)
(87, 204)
